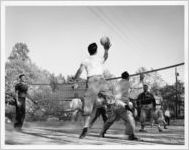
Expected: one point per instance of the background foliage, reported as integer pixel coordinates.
(52, 98)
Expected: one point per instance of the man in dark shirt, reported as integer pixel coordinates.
(21, 89)
(100, 111)
(146, 106)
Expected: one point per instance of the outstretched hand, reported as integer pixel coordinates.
(107, 45)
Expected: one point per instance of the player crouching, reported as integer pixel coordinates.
(122, 109)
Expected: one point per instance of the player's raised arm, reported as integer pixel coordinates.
(105, 42)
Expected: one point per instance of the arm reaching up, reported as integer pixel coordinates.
(105, 42)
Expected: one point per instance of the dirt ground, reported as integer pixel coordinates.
(61, 133)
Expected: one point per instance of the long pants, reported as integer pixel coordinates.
(126, 115)
(95, 85)
(20, 113)
(158, 117)
(99, 111)
(167, 119)
(146, 111)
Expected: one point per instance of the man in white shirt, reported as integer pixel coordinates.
(95, 82)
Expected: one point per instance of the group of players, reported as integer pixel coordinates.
(98, 96)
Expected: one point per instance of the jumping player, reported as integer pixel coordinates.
(95, 81)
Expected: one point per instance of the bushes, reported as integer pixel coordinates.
(10, 111)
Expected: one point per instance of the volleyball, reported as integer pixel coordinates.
(104, 40)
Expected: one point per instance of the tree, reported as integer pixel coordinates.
(53, 82)
(20, 52)
(61, 79)
(169, 93)
(19, 62)
(153, 79)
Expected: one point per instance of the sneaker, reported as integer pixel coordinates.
(165, 127)
(84, 133)
(133, 138)
(101, 135)
(160, 130)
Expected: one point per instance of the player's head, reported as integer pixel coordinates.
(101, 96)
(92, 48)
(125, 75)
(22, 77)
(145, 87)
(157, 92)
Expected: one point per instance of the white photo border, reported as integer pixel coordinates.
(5, 4)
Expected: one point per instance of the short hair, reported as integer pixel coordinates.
(92, 48)
(125, 75)
(145, 85)
(21, 75)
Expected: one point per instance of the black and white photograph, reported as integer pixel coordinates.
(94, 74)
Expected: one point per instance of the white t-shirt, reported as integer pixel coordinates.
(158, 99)
(93, 65)
(167, 113)
(122, 90)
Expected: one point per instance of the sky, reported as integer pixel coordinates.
(58, 36)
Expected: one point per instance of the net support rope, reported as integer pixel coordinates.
(115, 78)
